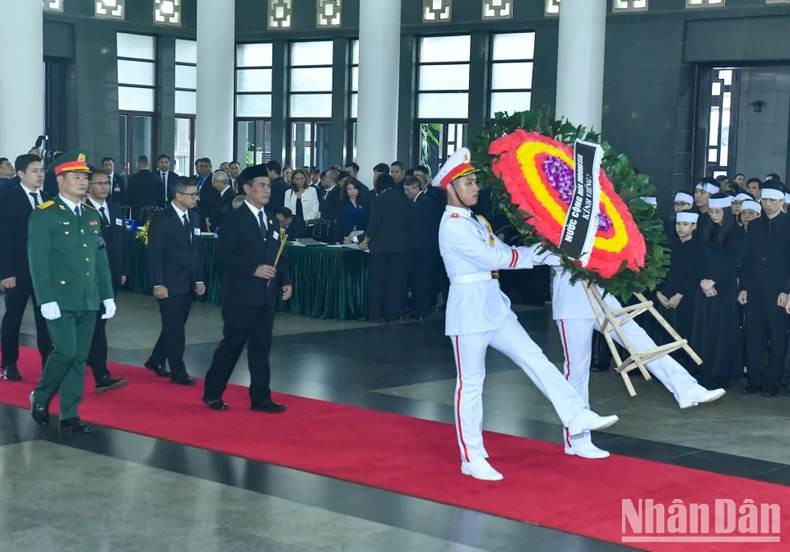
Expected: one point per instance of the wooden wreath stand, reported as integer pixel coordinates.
(611, 320)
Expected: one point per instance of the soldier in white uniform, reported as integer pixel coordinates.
(576, 321)
(479, 315)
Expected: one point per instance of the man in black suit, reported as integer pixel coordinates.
(426, 243)
(15, 209)
(279, 186)
(117, 182)
(235, 172)
(329, 197)
(294, 227)
(398, 174)
(167, 176)
(207, 193)
(224, 204)
(252, 282)
(115, 241)
(175, 267)
(144, 190)
(390, 237)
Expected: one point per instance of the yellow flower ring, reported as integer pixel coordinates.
(538, 173)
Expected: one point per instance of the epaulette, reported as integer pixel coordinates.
(91, 207)
(46, 204)
(455, 215)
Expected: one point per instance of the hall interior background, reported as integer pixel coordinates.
(663, 58)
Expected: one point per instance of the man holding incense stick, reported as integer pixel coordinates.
(254, 277)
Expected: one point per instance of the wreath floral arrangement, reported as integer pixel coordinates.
(142, 234)
(527, 162)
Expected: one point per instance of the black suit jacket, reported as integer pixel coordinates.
(393, 223)
(208, 198)
(297, 229)
(330, 205)
(174, 259)
(429, 217)
(116, 239)
(15, 209)
(118, 190)
(145, 190)
(171, 180)
(221, 208)
(241, 248)
(277, 201)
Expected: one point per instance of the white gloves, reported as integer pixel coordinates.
(109, 309)
(50, 311)
(546, 258)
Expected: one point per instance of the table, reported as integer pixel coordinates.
(329, 282)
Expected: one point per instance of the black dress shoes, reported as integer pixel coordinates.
(157, 369)
(107, 383)
(40, 412)
(182, 379)
(215, 404)
(11, 373)
(750, 389)
(770, 392)
(75, 425)
(269, 407)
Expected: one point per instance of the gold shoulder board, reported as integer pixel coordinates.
(88, 206)
(46, 204)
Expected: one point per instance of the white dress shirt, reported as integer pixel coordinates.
(255, 212)
(70, 204)
(28, 191)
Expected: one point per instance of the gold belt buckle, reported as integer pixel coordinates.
(495, 274)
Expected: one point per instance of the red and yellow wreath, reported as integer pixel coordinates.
(538, 173)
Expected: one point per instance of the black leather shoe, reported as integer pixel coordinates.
(75, 425)
(11, 373)
(182, 379)
(750, 389)
(39, 412)
(107, 383)
(771, 392)
(215, 404)
(157, 369)
(269, 406)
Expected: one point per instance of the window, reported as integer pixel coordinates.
(552, 7)
(497, 9)
(53, 5)
(354, 100)
(110, 9)
(253, 103)
(511, 72)
(704, 3)
(310, 102)
(167, 12)
(443, 97)
(136, 72)
(186, 106)
(722, 92)
(629, 5)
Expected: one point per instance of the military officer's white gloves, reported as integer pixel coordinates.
(546, 258)
(109, 309)
(50, 311)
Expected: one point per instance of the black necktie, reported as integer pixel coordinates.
(262, 224)
(104, 216)
(77, 210)
(188, 227)
(35, 199)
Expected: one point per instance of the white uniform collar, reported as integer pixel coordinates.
(70, 204)
(463, 212)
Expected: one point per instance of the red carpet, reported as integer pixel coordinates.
(413, 457)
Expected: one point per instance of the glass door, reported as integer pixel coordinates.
(137, 137)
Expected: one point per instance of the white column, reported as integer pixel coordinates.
(580, 62)
(216, 44)
(22, 92)
(379, 67)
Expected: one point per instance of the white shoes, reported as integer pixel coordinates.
(590, 421)
(586, 450)
(697, 395)
(479, 468)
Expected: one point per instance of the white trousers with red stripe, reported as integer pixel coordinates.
(577, 337)
(470, 357)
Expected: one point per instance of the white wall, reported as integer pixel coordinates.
(762, 137)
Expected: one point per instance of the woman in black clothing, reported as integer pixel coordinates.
(716, 333)
(352, 213)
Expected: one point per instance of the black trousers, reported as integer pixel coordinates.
(16, 299)
(97, 357)
(764, 320)
(387, 284)
(423, 271)
(172, 340)
(243, 325)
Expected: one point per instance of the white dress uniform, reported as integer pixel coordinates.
(576, 321)
(478, 315)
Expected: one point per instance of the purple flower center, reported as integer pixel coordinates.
(561, 178)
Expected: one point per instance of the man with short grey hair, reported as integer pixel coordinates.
(224, 204)
(330, 198)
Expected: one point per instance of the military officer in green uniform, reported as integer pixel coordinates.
(71, 279)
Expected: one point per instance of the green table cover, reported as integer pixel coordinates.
(328, 282)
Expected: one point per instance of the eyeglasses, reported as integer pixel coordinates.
(193, 195)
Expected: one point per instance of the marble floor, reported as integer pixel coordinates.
(139, 493)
